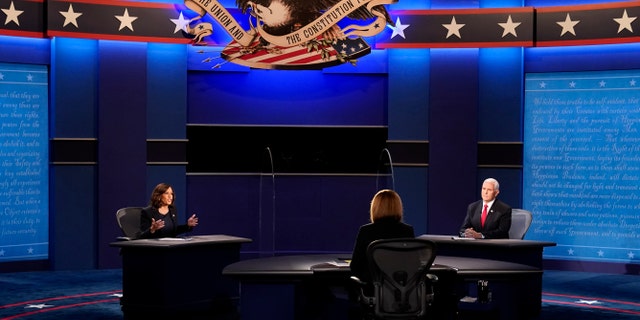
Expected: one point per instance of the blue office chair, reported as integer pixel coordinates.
(520, 222)
(129, 222)
(402, 285)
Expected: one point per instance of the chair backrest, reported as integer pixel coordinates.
(129, 221)
(520, 222)
(399, 269)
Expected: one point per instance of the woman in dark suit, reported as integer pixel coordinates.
(158, 220)
(497, 218)
(386, 223)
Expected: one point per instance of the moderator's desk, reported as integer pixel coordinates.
(176, 276)
(281, 286)
(527, 252)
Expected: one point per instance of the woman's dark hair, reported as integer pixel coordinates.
(156, 195)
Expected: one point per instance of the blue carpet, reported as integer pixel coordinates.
(94, 294)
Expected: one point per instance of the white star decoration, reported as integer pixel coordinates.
(602, 84)
(30, 251)
(509, 27)
(543, 85)
(1, 251)
(453, 28)
(38, 306)
(570, 252)
(631, 255)
(600, 253)
(181, 23)
(398, 28)
(12, 14)
(589, 302)
(126, 20)
(632, 82)
(70, 16)
(572, 84)
(567, 25)
(1, 76)
(625, 21)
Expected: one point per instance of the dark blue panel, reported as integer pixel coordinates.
(287, 97)
(411, 184)
(24, 50)
(321, 213)
(74, 70)
(408, 93)
(122, 132)
(453, 136)
(582, 58)
(500, 95)
(167, 83)
(228, 205)
(73, 202)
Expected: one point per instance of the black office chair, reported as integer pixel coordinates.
(129, 221)
(520, 222)
(402, 285)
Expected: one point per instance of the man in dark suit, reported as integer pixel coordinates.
(488, 218)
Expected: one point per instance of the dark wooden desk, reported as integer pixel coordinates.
(285, 286)
(522, 252)
(527, 252)
(172, 277)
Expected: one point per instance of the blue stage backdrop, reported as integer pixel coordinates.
(24, 191)
(582, 164)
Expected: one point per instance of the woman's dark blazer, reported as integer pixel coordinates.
(381, 229)
(152, 212)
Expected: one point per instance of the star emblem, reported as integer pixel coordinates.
(600, 253)
(602, 83)
(453, 28)
(631, 255)
(1, 250)
(625, 22)
(30, 251)
(126, 21)
(572, 84)
(70, 16)
(398, 28)
(631, 83)
(509, 27)
(181, 23)
(1, 76)
(543, 85)
(12, 14)
(567, 25)
(570, 252)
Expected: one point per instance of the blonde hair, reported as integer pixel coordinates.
(386, 204)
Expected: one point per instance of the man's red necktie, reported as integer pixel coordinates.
(484, 215)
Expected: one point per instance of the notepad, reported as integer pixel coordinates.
(172, 239)
(461, 238)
